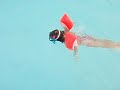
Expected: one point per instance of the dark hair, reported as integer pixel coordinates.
(55, 34)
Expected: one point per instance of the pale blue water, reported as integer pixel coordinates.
(29, 61)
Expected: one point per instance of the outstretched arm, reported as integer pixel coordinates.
(75, 50)
(76, 53)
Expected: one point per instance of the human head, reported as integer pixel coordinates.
(56, 35)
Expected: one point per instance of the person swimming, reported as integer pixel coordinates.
(72, 41)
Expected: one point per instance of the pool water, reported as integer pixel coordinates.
(29, 61)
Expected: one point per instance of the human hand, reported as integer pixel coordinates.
(77, 58)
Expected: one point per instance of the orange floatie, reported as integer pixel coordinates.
(69, 40)
(66, 22)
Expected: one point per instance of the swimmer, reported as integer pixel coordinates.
(72, 41)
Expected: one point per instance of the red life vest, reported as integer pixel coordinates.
(69, 40)
(69, 37)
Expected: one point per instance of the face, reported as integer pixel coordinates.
(53, 34)
(56, 35)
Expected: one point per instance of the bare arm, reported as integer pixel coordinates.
(76, 53)
(65, 29)
(75, 50)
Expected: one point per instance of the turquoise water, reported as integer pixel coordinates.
(29, 61)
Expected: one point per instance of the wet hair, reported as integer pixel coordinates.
(54, 34)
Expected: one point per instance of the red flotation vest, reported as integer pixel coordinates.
(69, 40)
(69, 37)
